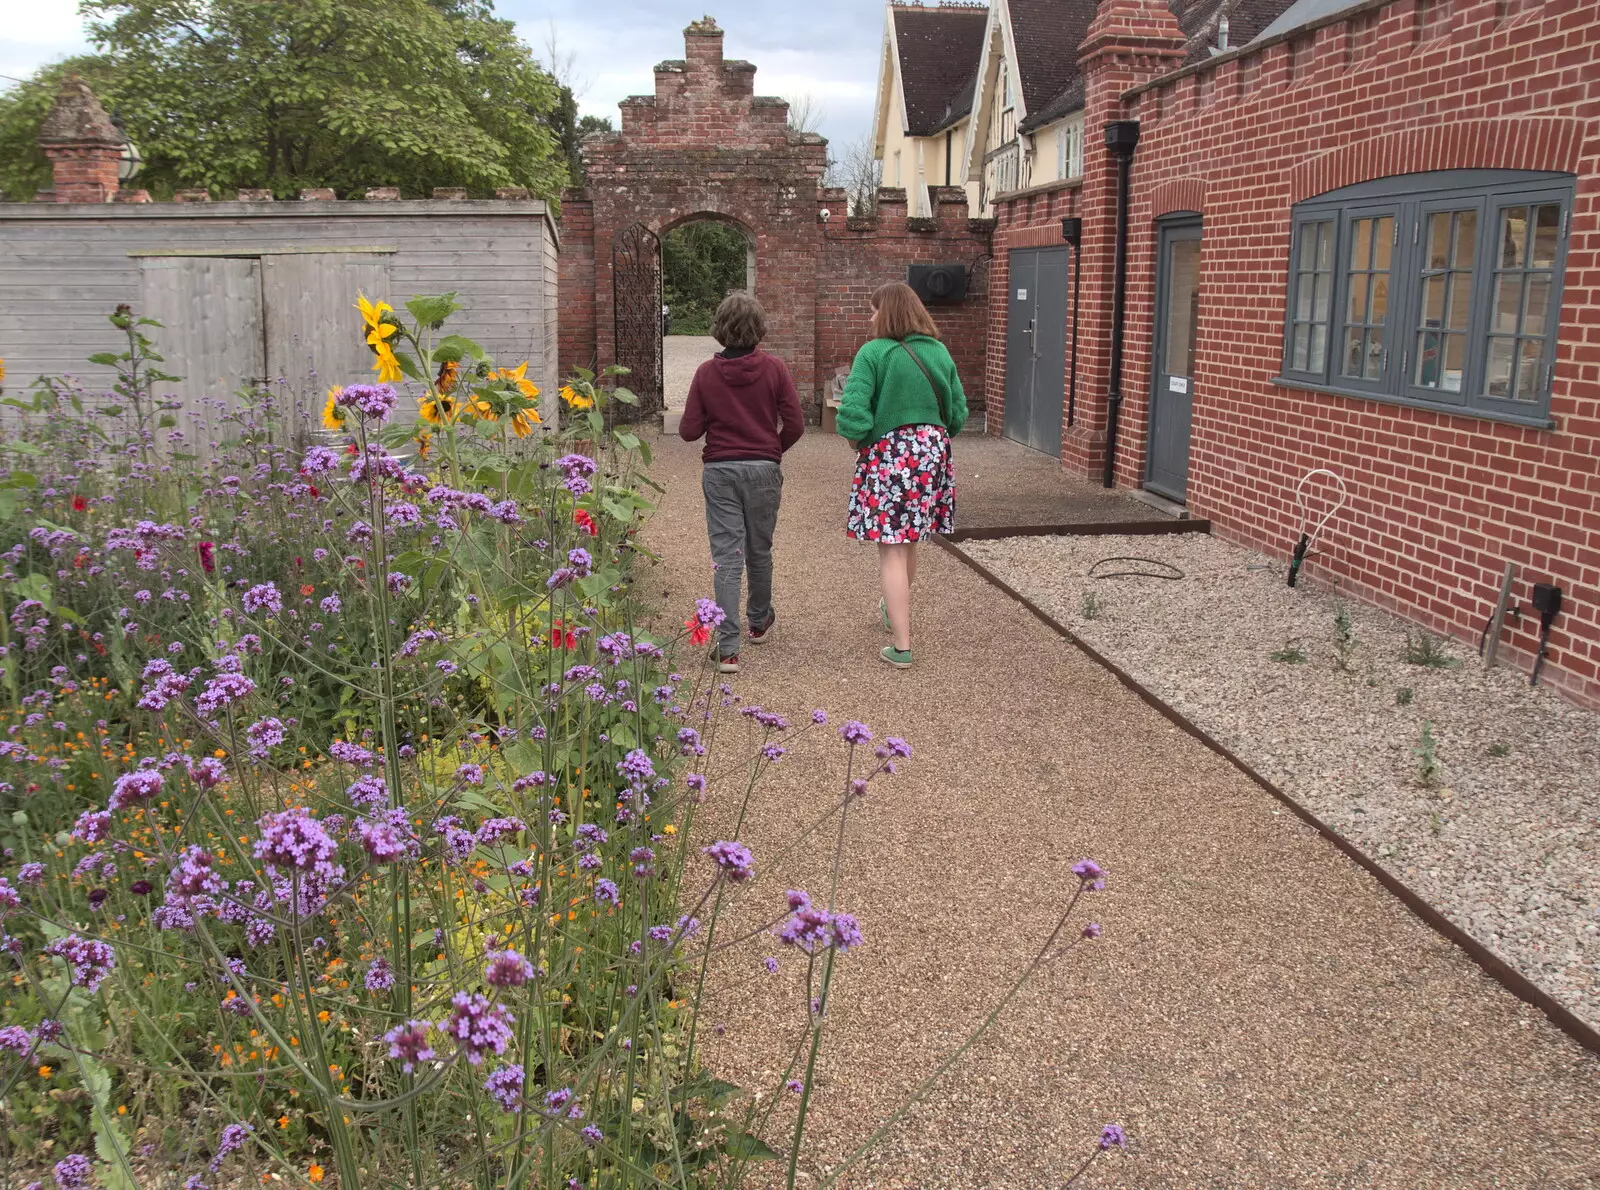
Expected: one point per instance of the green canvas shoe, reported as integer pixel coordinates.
(899, 658)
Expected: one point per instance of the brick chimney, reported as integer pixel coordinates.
(83, 146)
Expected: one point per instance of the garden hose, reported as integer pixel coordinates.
(1309, 535)
(1176, 573)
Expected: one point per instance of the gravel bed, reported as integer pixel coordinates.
(1503, 838)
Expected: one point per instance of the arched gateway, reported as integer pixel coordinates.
(706, 146)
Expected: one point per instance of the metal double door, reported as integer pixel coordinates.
(1036, 347)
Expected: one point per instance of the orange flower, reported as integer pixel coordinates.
(314, 1173)
(307, 589)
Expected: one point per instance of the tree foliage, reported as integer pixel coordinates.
(702, 263)
(339, 93)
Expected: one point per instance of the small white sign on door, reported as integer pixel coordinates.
(1178, 384)
(1022, 295)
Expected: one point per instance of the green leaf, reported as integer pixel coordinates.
(455, 348)
(166, 421)
(408, 366)
(743, 1146)
(627, 439)
(108, 359)
(432, 311)
(20, 479)
(110, 411)
(626, 395)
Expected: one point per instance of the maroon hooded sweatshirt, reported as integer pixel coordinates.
(746, 406)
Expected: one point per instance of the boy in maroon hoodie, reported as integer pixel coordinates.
(744, 402)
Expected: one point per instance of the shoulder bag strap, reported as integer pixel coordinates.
(938, 393)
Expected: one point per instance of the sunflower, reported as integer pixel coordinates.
(481, 409)
(439, 412)
(523, 421)
(332, 414)
(424, 442)
(574, 398)
(449, 373)
(386, 366)
(372, 312)
(518, 377)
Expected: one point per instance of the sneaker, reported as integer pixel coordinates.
(760, 636)
(899, 658)
(726, 665)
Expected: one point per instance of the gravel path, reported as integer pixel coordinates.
(1504, 838)
(680, 356)
(1260, 1013)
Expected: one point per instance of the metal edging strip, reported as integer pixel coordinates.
(1514, 981)
(1092, 529)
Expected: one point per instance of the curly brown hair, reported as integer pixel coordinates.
(897, 312)
(740, 322)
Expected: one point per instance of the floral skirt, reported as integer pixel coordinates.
(904, 487)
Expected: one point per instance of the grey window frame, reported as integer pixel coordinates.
(1412, 198)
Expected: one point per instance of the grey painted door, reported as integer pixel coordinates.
(1020, 328)
(1036, 336)
(1172, 398)
(1050, 351)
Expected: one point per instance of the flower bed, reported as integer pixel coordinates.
(346, 807)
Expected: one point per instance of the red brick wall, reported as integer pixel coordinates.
(1439, 502)
(859, 255)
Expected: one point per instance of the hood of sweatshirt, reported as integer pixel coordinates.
(740, 372)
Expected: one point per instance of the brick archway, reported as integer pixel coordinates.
(704, 146)
(752, 242)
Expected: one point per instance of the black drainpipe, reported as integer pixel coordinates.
(1121, 138)
(1072, 232)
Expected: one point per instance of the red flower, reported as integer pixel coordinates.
(208, 561)
(582, 519)
(79, 504)
(307, 589)
(698, 633)
(314, 492)
(557, 641)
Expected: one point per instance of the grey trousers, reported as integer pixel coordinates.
(742, 500)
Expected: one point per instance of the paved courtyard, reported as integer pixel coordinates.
(1259, 1013)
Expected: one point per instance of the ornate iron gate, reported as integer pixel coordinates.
(636, 303)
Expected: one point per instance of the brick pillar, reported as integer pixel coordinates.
(82, 144)
(702, 46)
(577, 346)
(1128, 42)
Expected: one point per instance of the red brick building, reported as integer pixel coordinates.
(1368, 239)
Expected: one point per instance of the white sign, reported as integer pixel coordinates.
(1022, 295)
(1178, 384)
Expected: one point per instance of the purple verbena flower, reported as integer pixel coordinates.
(294, 839)
(507, 969)
(732, 859)
(505, 1087)
(408, 1045)
(477, 1026)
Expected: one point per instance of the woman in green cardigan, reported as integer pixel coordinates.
(902, 404)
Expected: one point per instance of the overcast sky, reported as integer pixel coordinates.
(825, 48)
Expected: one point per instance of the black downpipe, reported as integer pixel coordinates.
(1072, 232)
(1121, 139)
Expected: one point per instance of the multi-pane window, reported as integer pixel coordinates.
(1069, 150)
(1365, 349)
(1440, 289)
(1308, 325)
